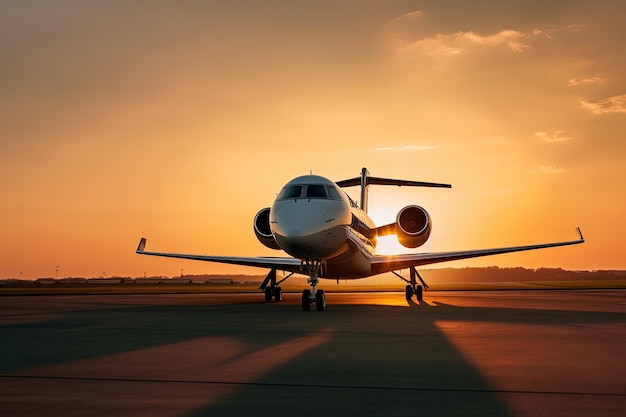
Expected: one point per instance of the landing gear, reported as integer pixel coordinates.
(412, 288)
(278, 294)
(313, 295)
(419, 293)
(409, 293)
(418, 290)
(320, 300)
(271, 288)
(306, 300)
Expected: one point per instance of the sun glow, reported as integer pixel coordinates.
(200, 98)
(389, 245)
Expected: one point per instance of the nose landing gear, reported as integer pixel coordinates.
(313, 295)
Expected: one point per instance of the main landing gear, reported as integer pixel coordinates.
(313, 295)
(412, 288)
(271, 288)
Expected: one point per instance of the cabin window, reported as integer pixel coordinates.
(316, 191)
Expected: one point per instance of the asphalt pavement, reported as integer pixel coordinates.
(501, 353)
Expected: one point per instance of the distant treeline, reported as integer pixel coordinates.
(114, 280)
(496, 274)
(443, 275)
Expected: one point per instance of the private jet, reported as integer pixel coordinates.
(328, 235)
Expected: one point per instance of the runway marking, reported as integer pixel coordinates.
(329, 386)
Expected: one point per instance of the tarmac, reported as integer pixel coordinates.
(500, 353)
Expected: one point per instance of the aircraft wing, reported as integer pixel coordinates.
(283, 264)
(387, 263)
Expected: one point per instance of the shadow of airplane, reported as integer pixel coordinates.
(349, 360)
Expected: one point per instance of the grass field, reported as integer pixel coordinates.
(86, 289)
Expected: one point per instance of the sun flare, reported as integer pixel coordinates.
(389, 245)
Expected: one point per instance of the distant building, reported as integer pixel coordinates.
(176, 281)
(219, 281)
(73, 280)
(148, 281)
(105, 281)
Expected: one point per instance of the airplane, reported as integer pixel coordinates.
(328, 235)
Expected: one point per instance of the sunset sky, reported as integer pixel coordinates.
(178, 121)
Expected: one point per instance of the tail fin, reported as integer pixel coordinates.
(365, 180)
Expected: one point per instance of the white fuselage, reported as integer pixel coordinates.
(312, 219)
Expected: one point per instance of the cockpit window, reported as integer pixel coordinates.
(316, 191)
(332, 192)
(292, 191)
(311, 191)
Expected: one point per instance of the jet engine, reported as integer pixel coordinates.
(413, 226)
(262, 229)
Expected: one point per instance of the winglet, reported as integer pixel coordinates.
(580, 234)
(142, 245)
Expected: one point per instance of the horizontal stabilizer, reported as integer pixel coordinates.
(388, 181)
(365, 181)
(400, 183)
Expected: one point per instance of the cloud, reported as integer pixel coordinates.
(557, 136)
(614, 104)
(577, 27)
(403, 148)
(463, 42)
(574, 82)
(416, 14)
(551, 169)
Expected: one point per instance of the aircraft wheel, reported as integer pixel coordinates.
(268, 294)
(278, 294)
(306, 300)
(320, 300)
(419, 293)
(409, 293)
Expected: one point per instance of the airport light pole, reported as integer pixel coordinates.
(56, 272)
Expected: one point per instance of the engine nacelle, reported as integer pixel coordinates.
(413, 226)
(262, 229)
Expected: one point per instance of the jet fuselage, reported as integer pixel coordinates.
(312, 219)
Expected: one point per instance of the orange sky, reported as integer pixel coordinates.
(178, 121)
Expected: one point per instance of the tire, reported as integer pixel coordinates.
(419, 293)
(278, 294)
(409, 293)
(306, 300)
(268, 294)
(320, 300)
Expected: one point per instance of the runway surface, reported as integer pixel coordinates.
(530, 353)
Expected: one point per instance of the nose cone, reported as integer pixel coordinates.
(302, 217)
(309, 228)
